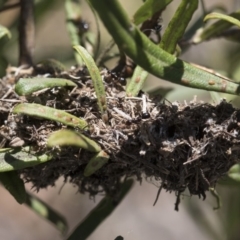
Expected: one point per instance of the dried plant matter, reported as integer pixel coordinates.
(183, 146)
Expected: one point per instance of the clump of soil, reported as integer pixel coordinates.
(182, 146)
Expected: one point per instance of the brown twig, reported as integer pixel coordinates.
(26, 33)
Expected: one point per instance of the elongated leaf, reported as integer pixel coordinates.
(214, 29)
(73, 13)
(154, 59)
(14, 184)
(37, 110)
(20, 158)
(48, 213)
(148, 8)
(178, 25)
(224, 17)
(4, 32)
(99, 214)
(27, 86)
(67, 137)
(96, 77)
(95, 163)
(136, 84)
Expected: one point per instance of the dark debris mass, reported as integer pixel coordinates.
(180, 146)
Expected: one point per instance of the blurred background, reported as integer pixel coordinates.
(135, 217)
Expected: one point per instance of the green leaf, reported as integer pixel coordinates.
(96, 77)
(37, 110)
(224, 17)
(45, 211)
(178, 25)
(99, 214)
(15, 159)
(227, 181)
(214, 29)
(70, 138)
(147, 10)
(234, 172)
(27, 86)
(136, 83)
(14, 184)
(95, 163)
(4, 32)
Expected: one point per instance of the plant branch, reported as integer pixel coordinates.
(26, 33)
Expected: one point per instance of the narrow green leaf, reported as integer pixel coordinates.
(224, 17)
(3, 150)
(234, 172)
(45, 211)
(96, 77)
(14, 184)
(214, 29)
(27, 86)
(147, 10)
(20, 158)
(136, 83)
(95, 163)
(178, 25)
(37, 110)
(99, 214)
(4, 32)
(67, 137)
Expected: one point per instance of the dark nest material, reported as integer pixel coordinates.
(182, 146)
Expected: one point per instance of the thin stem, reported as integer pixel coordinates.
(73, 13)
(26, 33)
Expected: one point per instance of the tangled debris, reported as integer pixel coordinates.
(182, 146)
